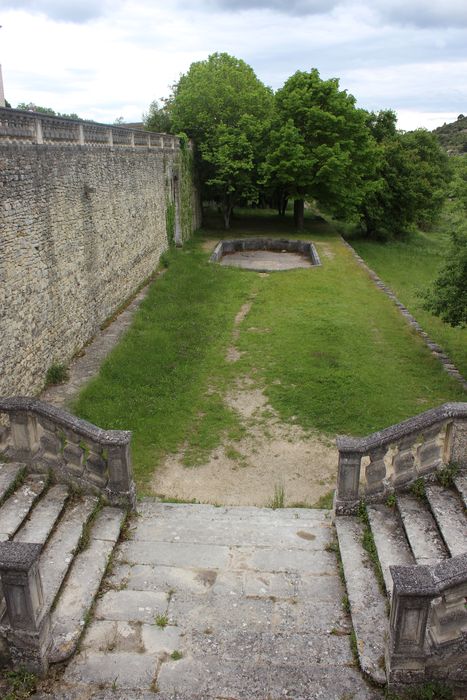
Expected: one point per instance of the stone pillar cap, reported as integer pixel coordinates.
(18, 556)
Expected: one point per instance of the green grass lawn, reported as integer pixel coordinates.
(410, 266)
(331, 352)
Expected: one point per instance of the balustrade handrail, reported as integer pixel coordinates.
(429, 580)
(414, 627)
(78, 134)
(65, 420)
(381, 438)
(47, 438)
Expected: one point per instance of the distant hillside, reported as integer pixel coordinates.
(453, 137)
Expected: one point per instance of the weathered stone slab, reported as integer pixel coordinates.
(131, 606)
(390, 541)
(448, 510)
(368, 605)
(161, 641)
(118, 670)
(68, 617)
(44, 516)
(8, 474)
(420, 528)
(107, 524)
(277, 560)
(293, 535)
(58, 552)
(16, 508)
(175, 554)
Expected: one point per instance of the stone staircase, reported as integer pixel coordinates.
(75, 536)
(65, 488)
(403, 543)
(410, 530)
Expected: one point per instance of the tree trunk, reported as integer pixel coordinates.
(283, 199)
(299, 214)
(227, 211)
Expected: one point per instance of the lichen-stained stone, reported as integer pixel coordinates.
(68, 212)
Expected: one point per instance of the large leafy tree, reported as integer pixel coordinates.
(320, 146)
(226, 109)
(408, 185)
(448, 296)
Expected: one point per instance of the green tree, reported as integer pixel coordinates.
(158, 118)
(408, 183)
(226, 109)
(329, 145)
(448, 297)
(31, 107)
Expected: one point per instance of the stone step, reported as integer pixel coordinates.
(9, 473)
(448, 509)
(82, 584)
(390, 541)
(460, 483)
(368, 606)
(43, 517)
(422, 532)
(59, 551)
(16, 508)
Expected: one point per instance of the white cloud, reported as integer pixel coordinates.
(128, 53)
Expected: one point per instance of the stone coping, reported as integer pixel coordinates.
(27, 404)
(421, 580)
(259, 243)
(395, 432)
(18, 556)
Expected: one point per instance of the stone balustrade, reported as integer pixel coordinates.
(19, 126)
(428, 621)
(375, 466)
(27, 625)
(47, 439)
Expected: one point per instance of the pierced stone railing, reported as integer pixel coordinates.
(372, 467)
(428, 623)
(20, 126)
(47, 439)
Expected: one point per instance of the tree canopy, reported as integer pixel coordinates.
(225, 108)
(307, 141)
(320, 146)
(408, 182)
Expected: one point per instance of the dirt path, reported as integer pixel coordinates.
(274, 461)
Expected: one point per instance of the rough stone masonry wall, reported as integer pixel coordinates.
(81, 227)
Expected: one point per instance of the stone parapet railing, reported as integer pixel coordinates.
(48, 439)
(20, 127)
(375, 466)
(428, 622)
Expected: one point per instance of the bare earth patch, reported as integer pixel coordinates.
(246, 472)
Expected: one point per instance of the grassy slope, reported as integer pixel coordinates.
(329, 349)
(409, 267)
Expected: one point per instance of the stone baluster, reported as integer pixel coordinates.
(110, 137)
(121, 484)
(348, 480)
(412, 596)
(28, 630)
(38, 126)
(24, 435)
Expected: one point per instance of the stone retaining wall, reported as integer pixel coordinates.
(83, 219)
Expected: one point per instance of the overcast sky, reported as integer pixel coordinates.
(109, 58)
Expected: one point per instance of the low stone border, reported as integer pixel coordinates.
(275, 244)
(436, 349)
